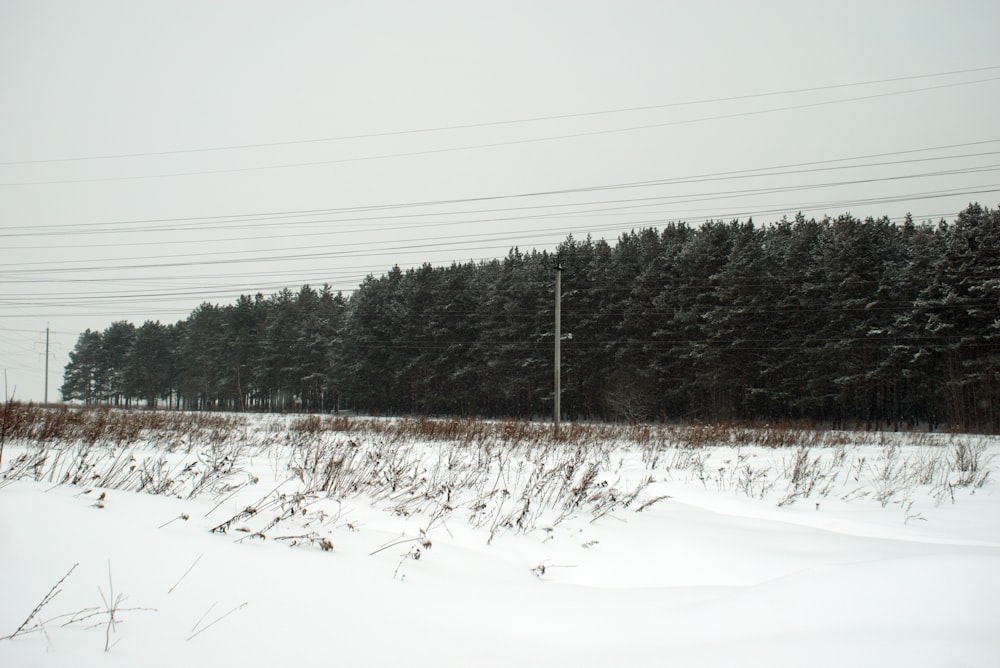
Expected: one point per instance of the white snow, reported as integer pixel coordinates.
(710, 576)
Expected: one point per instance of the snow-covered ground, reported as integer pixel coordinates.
(879, 554)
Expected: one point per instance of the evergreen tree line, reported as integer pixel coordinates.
(842, 321)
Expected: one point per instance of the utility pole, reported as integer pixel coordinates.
(558, 337)
(46, 364)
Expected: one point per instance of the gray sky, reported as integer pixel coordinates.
(156, 155)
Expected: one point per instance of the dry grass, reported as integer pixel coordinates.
(31, 422)
(499, 476)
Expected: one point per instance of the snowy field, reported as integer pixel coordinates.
(263, 541)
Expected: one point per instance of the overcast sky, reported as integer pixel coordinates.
(156, 155)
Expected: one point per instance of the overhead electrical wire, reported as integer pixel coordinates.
(199, 221)
(456, 240)
(252, 275)
(240, 220)
(425, 217)
(410, 248)
(533, 119)
(513, 142)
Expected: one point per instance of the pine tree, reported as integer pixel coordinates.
(969, 325)
(149, 365)
(82, 376)
(201, 351)
(116, 343)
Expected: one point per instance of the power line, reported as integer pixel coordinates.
(453, 241)
(230, 221)
(408, 249)
(159, 295)
(533, 119)
(514, 142)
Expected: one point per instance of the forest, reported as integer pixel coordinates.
(842, 321)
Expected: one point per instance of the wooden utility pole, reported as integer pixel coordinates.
(558, 374)
(46, 365)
